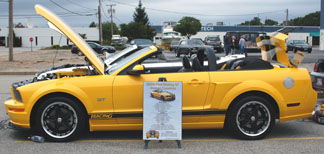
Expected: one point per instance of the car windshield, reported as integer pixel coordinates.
(143, 42)
(174, 43)
(171, 33)
(113, 58)
(299, 42)
(126, 60)
(195, 42)
(213, 39)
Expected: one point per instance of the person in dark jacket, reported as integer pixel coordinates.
(227, 43)
(234, 45)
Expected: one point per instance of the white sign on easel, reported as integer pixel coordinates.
(162, 111)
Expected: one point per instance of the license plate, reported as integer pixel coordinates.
(319, 82)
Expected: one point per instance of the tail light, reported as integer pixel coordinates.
(316, 67)
(206, 43)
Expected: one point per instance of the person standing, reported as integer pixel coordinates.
(227, 43)
(234, 45)
(242, 44)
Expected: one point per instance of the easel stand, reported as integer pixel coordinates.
(146, 142)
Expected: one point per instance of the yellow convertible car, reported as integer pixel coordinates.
(244, 96)
(162, 95)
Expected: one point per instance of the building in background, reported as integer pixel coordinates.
(45, 37)
(310, 34)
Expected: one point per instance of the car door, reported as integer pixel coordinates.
(128, 94)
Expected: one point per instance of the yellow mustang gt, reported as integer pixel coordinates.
(244, 95)
(163, 95)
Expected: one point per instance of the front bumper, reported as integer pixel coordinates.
(17, 113)
(304, 49)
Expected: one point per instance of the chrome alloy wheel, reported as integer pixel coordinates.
(253, 118)
(59, 120)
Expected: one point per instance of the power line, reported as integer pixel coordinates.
(67, 9)
(196, 14)
(118, 20)
(104, 12)
(80, 5)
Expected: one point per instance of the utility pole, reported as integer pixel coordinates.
(100, 24)
(111, 11)
(10, 30)
(287, 17)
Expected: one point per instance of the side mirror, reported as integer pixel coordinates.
(136, 70)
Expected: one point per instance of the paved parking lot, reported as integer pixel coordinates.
(299, 136)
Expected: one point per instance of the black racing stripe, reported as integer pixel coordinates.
(185, 113)
(127, 115)
(188, 113)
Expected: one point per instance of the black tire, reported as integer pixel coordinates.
(247, 124)
(60, 119)
(178, 54)
(295, 50)
(162, 98)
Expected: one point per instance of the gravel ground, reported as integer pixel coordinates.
(39, 60)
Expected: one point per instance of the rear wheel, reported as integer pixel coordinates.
(60, 119)
(177, 54)
(251, 118)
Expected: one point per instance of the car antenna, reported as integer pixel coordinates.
(57, 47)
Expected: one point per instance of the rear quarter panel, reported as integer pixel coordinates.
(227, 85)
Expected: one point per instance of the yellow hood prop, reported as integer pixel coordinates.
(75, 38)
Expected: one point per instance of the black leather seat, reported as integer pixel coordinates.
(237, 63)
(196, 65)
(186, 65)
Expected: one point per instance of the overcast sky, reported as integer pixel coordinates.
(231, 12)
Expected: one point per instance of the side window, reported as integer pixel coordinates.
(183, 42)
(92, 45)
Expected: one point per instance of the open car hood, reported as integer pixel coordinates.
(75, 38)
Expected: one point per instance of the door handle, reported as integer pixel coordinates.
(196, 81)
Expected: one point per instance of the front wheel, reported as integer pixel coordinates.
(60, 119)
(251, 118)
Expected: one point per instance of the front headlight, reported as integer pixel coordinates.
(16, 94)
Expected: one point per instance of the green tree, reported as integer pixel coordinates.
(135, 30)
(254, 21)
(188, 26)
(311, 19)
(140, 14)
(270, 22)
(140, 27)
(106, 31)
(93, 24)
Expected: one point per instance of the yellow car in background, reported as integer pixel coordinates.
(246, 95)
(163, 95)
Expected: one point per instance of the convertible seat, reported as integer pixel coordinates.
(253, 63)
(196, 67)
(186, 65)
(250, 63)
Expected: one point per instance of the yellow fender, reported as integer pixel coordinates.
(252, 85)
(62, 88)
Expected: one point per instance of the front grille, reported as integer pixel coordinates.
(16, 94)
